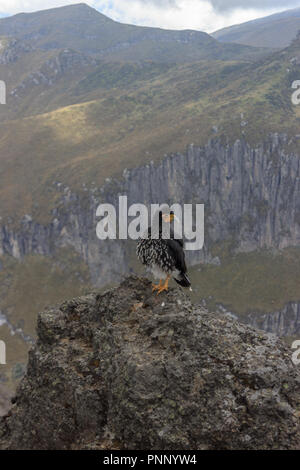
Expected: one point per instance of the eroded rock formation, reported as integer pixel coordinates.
(129, 370)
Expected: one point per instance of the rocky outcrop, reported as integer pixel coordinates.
(12, 49)
(53, 69)
(130, 370)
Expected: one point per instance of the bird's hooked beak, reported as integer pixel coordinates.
(168, 218)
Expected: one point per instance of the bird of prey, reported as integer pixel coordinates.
(163, 254)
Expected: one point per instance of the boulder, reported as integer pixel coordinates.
(128, 369)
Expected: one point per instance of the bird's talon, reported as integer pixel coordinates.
(164, 287)
(162, 290)
(156, 286)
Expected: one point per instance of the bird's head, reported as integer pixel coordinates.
(168, 218)
(163, 217)
(166, 215)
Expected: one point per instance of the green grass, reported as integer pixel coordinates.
(27, 287)
(257, 282)
(85, 29)
(95, 123)
(121, 75)
(30, 285)
(275, 31)
(143, 118)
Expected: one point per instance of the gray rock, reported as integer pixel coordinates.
(53, 69)
(284, 322)
(12, 49)
(5, 397)
(130, 370)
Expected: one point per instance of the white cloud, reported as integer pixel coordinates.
(182, 14)
(172, 14)
(265, 4)
(12, 7)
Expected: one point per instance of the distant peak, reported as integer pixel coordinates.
(77, 6)
(83, 8)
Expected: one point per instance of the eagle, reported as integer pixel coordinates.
(163, 253)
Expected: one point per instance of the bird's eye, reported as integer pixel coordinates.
(168, 218)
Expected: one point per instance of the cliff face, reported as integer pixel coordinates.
(285, 322)
(251, 196)
(129, 370)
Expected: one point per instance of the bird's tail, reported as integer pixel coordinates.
(183, 280)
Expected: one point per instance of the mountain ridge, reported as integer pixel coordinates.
(86, 30)
(275, 31)
(76, 131)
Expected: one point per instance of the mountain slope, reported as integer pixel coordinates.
(84, 29)
(275, 31)
(76, 122)
(46, 56)
(110, 129)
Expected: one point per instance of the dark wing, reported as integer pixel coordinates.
(175, 248)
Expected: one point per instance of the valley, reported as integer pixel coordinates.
(158, 116)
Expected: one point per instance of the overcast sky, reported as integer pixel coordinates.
(204, 15)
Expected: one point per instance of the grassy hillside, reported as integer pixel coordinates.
(28, 287)
(103, 112)
(128, 115)
(255, 282)
(51, 58)
(276, 31)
